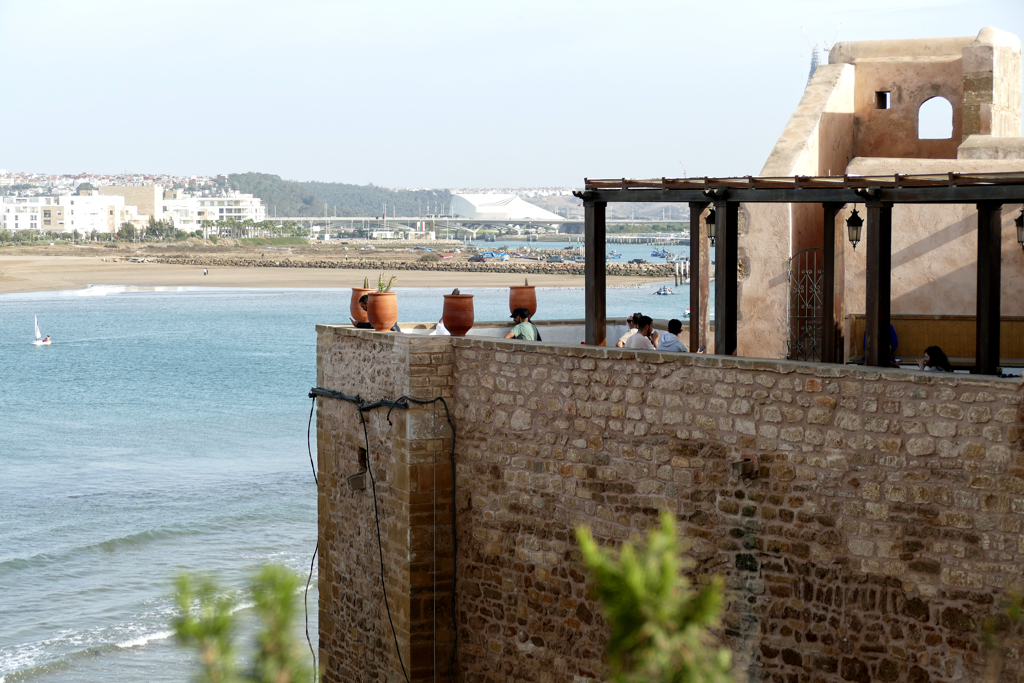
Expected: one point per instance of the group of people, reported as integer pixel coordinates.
(642, 335)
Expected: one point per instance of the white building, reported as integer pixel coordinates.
(66, 213)
(499, 207)
(188, 213)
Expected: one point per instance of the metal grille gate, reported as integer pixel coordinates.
(806, 312)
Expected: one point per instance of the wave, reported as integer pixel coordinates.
(108, 545)
(142, 640)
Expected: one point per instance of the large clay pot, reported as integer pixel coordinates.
(458, 314)
(382, 310)
(522, 296)
(357, 312)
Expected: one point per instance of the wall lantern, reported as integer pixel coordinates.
(713, 230)
(853, 226)
(1019, 222)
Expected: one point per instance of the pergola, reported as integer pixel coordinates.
(988, 191)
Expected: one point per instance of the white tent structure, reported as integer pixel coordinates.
(498, 207)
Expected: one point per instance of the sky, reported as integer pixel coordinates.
(483, 93)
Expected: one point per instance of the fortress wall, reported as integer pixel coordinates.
(886, 521)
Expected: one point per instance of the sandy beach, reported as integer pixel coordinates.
(41, 269)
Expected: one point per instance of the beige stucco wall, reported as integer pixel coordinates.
(817, 140)
(935, 246)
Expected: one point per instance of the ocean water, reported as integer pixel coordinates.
(163, 432)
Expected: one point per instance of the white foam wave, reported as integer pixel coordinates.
(143, 639)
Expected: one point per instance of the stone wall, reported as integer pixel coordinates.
(886, 520)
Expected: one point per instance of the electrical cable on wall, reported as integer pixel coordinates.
(362, 407)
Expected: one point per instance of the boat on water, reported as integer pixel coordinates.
(664, 291)
(40, 340)
(614, 254)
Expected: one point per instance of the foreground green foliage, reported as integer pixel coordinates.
(208, 623)
(659, 624)
(1001, 632)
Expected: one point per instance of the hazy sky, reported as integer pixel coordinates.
(426, 93)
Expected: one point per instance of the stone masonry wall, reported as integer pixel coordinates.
(886, 520)
(413, 499)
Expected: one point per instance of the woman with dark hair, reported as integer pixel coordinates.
(934, 360)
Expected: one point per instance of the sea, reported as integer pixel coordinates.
(164, 433)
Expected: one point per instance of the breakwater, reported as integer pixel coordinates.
(665, 270)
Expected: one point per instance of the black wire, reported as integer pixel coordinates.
(380, 544)
(401, 402)
(455, 539)
(305, 596)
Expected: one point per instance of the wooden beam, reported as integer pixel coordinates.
(594, 272)
(990, 263)
(700, 278)
(833, 287)
(726, 277)
(971, 194)
(879, 283)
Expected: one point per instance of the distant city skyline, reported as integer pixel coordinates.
(449, 94)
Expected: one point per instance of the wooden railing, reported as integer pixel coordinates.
(954, 334)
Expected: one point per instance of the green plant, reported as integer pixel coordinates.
(207, 621)
(366, 283)
(213, 238)
(659, 625)
(997, 633)
(429, 258)
(381, 288)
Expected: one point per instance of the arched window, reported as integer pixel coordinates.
(935, 119)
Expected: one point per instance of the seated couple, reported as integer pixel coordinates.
(643, 336)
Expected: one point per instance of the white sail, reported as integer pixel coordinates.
(38, 336)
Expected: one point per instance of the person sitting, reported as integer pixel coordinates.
(934, 360)
(364, 301)
(524, 329)
(670, 340)
(646, 337)
(631, 324)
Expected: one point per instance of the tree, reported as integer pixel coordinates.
(659, 625)
(126, 231)
(207, 621)
(84, 186)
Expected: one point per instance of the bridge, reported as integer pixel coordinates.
(439, 224)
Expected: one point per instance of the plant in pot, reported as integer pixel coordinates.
(522, 296)
(458, 313)
(382, 308)
(357, 312)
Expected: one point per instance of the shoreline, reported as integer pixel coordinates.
(25, 273)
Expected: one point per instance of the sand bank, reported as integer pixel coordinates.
(29, 272)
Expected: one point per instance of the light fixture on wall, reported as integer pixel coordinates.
(853, 226)
(1019, 222)
(712, 229)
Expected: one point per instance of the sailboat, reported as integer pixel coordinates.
(40, 340)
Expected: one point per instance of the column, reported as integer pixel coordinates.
(990, 263)
(726, 277)
(834, 287)
(700, 278)
(879, 283)
(594, 271)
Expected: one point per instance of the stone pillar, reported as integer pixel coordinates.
(409, 458)
(992, 72)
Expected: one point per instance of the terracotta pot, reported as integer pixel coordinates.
(357, 312)
(382, 310)
(522, 296)
(458, 314)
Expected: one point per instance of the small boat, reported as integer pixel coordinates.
(40, 340)
(614, 254)
(664, 291)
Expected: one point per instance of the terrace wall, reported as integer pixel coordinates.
(886, 521)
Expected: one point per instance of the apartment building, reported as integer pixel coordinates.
(84, 212)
